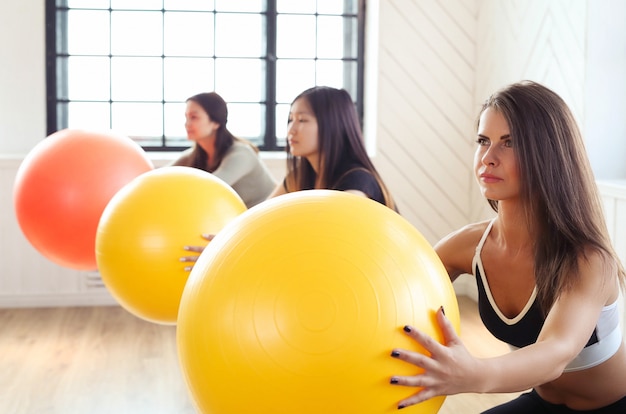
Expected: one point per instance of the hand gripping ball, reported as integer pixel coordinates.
(144, 228)
(296, 305)
(63, 185)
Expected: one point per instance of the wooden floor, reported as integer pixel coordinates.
(105, 360)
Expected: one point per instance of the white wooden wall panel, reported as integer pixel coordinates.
(537, 40)
(532, 39)
(438, 61)
(425, 94)
(26, 277)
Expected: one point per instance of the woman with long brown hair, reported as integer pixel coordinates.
(548, 278)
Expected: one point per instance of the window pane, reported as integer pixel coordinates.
(240, 79)
(188, 34)
(136, 79)
(174, 114)
(246, 120)
(85, 4)
(350, 77)
(337, 6)
(136, 4)
(136, 33)
(292, 77)
(88, 78)
(138, 119)
(88, 32)
(299, 6)
(185, 77)
(61, 86)
(254, 6)
(295, 36)
(282, 116)
(329, 73)
(206, 5)
(329, 35)
(239, 35)
(88, 115)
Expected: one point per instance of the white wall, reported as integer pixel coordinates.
(605, 88)
(22, 76)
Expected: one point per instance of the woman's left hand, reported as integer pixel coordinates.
(196, 249)
(450, 369)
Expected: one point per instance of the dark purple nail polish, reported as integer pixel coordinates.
(443, 311)
(393, 381)
(395, 354)
(407, 328)
(401, 406)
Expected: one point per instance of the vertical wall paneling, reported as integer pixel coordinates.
(425, 93)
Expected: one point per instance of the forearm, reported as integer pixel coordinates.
(522, 369)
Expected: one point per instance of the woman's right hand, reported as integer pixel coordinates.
(448, 368)
(196, 249)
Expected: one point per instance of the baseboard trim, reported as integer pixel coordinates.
(103, 298)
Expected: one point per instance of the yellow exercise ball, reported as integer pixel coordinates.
(143, 229)
(297, 303)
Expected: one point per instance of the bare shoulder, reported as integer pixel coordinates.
(470, 231)
(456, 250)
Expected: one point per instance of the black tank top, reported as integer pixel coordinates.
(523, 329)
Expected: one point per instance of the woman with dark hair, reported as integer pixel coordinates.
(325, 148)
(548, 278)
(216, 150)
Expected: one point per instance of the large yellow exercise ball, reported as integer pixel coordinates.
(296, 305)
(143, 230)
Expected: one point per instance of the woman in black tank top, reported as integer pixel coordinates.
(546, 256)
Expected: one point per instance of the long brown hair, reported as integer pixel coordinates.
(558, 188)
(340, 143)
(215, 106)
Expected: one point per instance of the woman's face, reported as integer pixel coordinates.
(495, 165)
(198, 123)
(302, 131)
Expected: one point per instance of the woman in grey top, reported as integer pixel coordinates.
(218, 151)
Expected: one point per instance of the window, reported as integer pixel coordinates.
(129, 65)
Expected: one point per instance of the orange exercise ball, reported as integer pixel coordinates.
(143, 229)
(63, 185)
(296, 305)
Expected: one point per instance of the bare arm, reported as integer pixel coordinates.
(279, 190)
(450, 369)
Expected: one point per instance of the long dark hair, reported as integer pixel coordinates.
(558, 188)
(340, 142)
(215, 106)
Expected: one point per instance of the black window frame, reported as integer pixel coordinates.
(57, 32)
